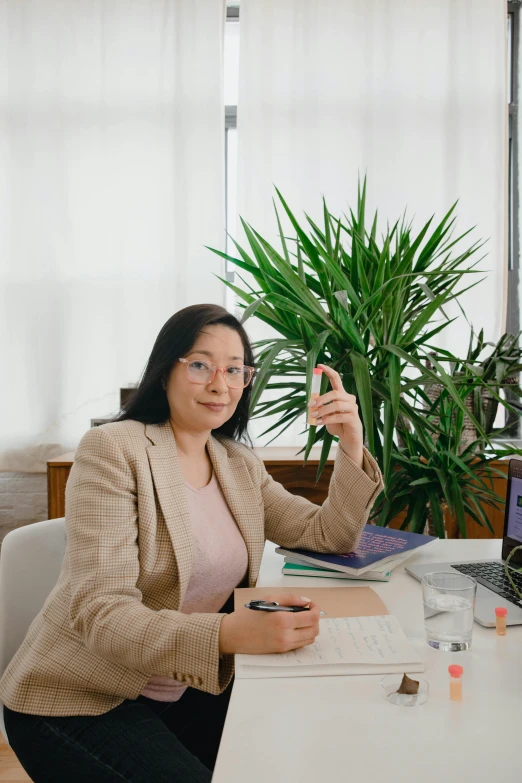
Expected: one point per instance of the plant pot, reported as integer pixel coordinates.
(451, 529)
(489, 407)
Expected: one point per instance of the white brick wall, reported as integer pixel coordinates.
(23, 499)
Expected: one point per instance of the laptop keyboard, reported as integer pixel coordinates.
(492, 576)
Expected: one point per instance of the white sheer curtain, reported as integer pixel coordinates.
(410, 93)
(111, 161)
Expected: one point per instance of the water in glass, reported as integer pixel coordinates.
(449, 601)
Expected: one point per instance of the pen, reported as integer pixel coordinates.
(273, 606)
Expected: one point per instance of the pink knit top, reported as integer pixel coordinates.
(220, 564)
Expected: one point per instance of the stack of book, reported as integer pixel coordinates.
(380, 550)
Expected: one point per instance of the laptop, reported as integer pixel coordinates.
(493, 588)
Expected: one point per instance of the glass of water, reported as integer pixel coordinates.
(449, 603)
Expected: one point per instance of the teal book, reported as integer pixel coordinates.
(294, 569)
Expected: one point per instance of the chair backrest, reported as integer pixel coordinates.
(30, 562)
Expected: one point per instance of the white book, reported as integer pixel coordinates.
(345, 645)
(298, 569)
(379, 568)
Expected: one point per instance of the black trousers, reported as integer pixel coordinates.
(139, 741)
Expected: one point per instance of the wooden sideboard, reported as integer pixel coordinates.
(281, 462)
(58, 470)
(285, 466)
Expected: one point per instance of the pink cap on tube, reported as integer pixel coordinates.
(455, 670)
(317, 371)
(501, 611)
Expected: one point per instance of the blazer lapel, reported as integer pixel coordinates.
(237, 488)
(170, 489)
(239, 492)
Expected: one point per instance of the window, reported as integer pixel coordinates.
(231, 78)
(231, 83)
(512, 420)
(513, 316)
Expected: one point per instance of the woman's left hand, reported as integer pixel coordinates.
(339, 412)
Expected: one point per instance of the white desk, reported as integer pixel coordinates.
(318, 729)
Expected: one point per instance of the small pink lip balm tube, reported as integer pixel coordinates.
(500, 615)
(315, 392)
(455, 683)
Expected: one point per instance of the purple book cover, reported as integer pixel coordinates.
(376, 544)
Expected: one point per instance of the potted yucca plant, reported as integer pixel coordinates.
(435, 483)
(365, 303)
(497, 366)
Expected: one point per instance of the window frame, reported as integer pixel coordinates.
(232, 16)
(513, 260)
(511, 430)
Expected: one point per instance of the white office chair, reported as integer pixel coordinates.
(30, 563)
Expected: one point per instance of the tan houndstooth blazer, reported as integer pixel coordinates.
(112, 621)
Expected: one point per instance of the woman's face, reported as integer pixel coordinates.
(219, 345)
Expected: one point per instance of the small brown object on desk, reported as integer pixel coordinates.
(408, 685)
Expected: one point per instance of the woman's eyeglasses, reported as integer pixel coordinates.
(236, 376)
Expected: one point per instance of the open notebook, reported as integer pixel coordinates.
(345, 645)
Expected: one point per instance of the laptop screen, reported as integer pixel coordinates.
(513, 522)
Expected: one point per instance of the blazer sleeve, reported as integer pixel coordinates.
(106, 608)
(294, 522)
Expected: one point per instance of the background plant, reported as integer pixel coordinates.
(366, 305)
(430, 475)
(498, 366)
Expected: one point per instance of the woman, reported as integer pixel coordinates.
(125, 673)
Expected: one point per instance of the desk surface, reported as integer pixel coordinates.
(314, 729)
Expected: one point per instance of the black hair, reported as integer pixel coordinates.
(149, 404)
